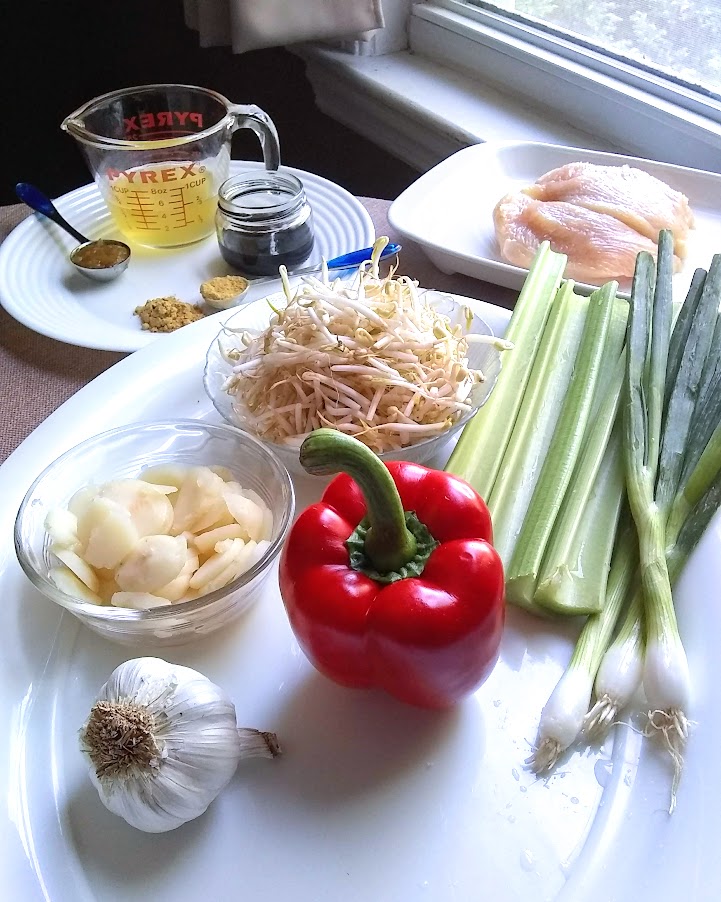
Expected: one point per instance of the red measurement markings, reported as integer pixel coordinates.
(142, 211)
(179, 207)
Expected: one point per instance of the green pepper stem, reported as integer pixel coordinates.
(388, 544)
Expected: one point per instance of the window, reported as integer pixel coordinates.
(639, 77)
(591, 64)
(677, 39)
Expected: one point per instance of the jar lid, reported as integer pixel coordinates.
(261, 195)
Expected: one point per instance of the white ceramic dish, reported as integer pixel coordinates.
(255, 318)
(448, 211)
(40, 288)
(372, 801)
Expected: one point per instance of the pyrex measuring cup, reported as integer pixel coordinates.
(159, 153)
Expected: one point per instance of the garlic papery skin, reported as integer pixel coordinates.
(161, 741)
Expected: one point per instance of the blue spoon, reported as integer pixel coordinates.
(41, 203)
(345, 261)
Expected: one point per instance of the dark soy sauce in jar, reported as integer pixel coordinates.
(264, 220)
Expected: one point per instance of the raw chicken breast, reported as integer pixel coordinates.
(631, 195)
(598, 246)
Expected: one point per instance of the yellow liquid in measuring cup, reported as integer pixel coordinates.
(163, 204)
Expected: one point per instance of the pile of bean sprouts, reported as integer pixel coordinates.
(370, 357)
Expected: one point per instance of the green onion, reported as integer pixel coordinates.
(693, 506)
(478, 454)
(695, 486)
(684, 390)
(565, 713)
(558, 466)
(682, 328)
(620, 670)
(665, 674)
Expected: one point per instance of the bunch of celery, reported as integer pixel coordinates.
(544, 452)
(479, 453)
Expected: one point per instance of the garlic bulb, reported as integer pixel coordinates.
(162, 741)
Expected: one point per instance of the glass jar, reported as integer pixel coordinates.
(264, 220)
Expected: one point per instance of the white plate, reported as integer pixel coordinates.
(449, 209)
(372, 801)
(41, 289)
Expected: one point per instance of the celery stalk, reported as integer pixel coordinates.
(478, 454)
(574, 569)
(574, 572)
(557, 470)
(537, 418)
(615, 343)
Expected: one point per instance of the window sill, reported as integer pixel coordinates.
(421, 112)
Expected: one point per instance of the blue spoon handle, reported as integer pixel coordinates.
(355, 258)
(41, 203)
(345, 261)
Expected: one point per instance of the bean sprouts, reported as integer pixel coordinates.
(371, 357)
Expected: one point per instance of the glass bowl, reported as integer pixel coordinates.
(122, 453)
(256, 316)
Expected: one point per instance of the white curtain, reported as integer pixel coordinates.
(252, 24)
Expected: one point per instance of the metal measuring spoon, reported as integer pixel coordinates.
(102, 259)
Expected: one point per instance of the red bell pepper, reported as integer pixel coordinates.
(391, 579)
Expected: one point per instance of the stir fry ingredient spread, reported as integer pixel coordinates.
(371, 358)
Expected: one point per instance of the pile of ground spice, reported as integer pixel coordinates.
(167, 314)
(223, 288)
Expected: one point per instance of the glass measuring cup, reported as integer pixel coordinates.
(159, 153)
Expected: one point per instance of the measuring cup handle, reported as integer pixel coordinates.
(253, 117)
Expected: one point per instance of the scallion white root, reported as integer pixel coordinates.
(620, 672)
(666, 678)
(564, 715)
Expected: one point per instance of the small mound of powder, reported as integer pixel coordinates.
(167, 314)
(223, 289)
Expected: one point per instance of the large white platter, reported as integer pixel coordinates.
(372, 801)
(448, 211)
(40, 288)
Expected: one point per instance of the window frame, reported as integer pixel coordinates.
(596, 93)
(476, 57)
(549, 38)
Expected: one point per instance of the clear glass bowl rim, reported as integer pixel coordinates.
(133, 615)
(383, 455)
